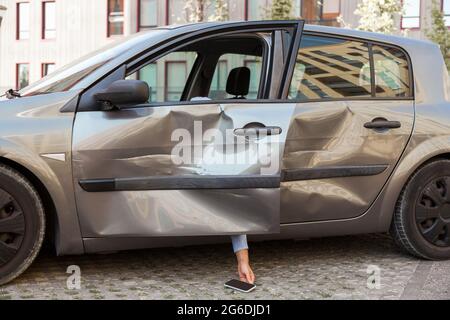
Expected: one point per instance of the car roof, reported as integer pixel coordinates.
(369, 36)
(365, 35)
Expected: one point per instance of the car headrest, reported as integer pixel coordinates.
(238, 81)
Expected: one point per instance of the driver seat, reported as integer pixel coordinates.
(238, 82)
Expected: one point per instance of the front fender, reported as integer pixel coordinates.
(36, 135)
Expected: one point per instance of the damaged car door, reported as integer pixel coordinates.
(202, 155)
(353, 120)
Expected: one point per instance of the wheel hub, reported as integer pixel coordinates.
(12, 227)
(433, 212)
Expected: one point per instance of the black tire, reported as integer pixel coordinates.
(22, 224)
(421, 222)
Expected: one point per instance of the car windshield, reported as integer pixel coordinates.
(68, 76)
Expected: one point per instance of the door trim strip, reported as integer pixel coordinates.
(180, 183)
(332, 172)
(226, 182)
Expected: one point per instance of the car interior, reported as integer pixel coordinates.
(210, 53)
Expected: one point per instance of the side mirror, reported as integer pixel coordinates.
(123, 93)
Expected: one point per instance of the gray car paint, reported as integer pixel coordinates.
(32, 126)
(137, 143)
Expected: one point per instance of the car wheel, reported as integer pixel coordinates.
(421, 223)
(22, 224)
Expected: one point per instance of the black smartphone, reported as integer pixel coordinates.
(240, 286)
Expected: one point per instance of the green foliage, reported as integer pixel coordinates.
(439, 32)
(378, 15)
(197, 10)
(281, 10)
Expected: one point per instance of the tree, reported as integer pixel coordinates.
(220, 11)
(439, 32)
(197, 10)
(280, 10)
(378, 15)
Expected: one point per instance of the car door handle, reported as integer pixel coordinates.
(258, 131)
(382, 124)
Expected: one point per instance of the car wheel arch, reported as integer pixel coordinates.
(47, 200)
(445, 155)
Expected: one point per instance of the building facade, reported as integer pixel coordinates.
(38, 36)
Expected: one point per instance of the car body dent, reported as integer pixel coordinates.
(138, 143)
(28, 126)
(332, 134)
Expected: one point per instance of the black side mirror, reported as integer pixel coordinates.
(123, 93)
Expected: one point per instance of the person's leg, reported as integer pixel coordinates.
(240, 248)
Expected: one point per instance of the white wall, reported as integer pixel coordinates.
(80, 28)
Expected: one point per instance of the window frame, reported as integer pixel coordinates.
(247, 11)
(138, 77)
(139, 20)
(18, 64)
(248, 61)
(43, 22)
(219, 62)
(419, 16)
(373, 96)
(43, 64)
(18, 4)
(166, 74)
(108, 11)
(168, 15)
(443, 12)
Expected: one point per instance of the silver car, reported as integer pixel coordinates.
(189, 134)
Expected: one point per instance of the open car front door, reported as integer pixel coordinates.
(209, 167)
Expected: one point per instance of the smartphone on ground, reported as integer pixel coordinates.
(240, 286)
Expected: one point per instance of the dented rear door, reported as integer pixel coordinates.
(349, 128)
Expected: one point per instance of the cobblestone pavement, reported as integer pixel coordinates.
(331, 268)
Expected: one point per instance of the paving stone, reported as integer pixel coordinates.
(330, 268)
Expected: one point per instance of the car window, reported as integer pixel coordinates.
(69, 76)
(329, 67)
(391, 72)
(167, 76)
(226, 63)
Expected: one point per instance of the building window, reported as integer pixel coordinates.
(219, 81)
(47, 68)
(48, 20)
(149, 74)
(22, 75)
(331, 68)
(115, 17)
(255, 76)
(254, 9)
(168, 76)
(148, 14)
(411, 16)
(23, 21)
(176, 75)
(175, 12)
(391, 72)
(298, 8)
(446, 10)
